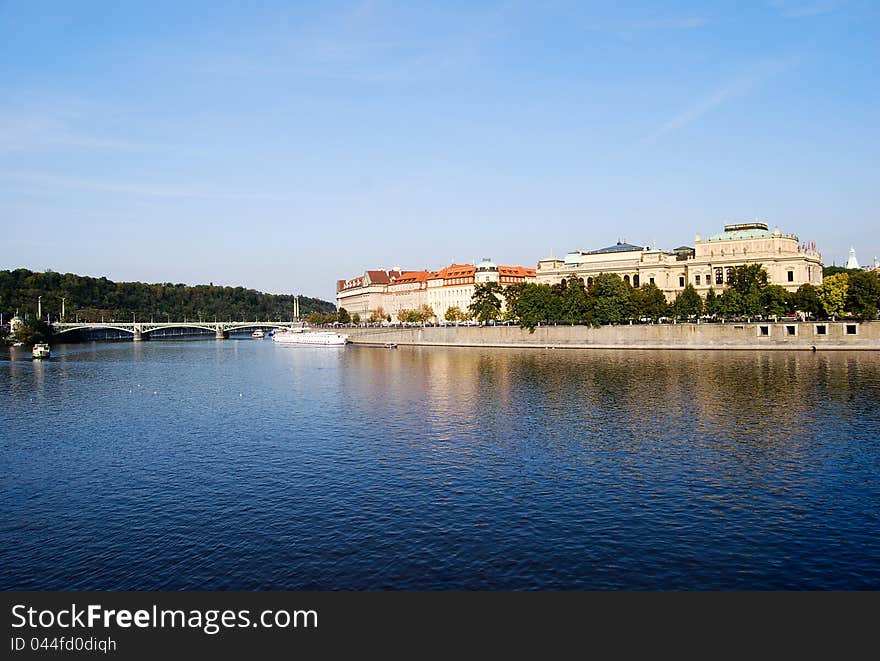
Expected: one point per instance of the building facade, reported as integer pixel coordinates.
(709, 264)
(364, 293)
(452, 286)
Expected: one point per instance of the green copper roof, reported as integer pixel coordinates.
(741, 234)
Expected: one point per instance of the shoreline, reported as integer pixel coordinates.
(773, 336)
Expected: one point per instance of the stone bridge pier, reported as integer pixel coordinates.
(137, 335)
(219, 333)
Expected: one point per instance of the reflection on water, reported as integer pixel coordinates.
(244, 465)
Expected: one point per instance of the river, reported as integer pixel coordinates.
(239, 464)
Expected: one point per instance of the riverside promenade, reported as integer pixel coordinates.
(782, 335)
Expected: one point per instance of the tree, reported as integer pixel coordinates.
(315, 318)
(650, 301)
(807, 300)
(34, 330)
(512, 294)
(730, 303)
(426, 313)
(356, 319)
(833, 294)
(573, 303)
(378, 315)
(863, 294)
(91, 298)
(536, 305)
(404, 315)
(753, 303)
(710, 305)
(486, 301)
(453, 313)
(611, 299)
(343, 316)
(834, 270)
(776, 300)
(748, 278)
(688, 303)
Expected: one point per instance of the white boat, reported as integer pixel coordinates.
(313, 338)
(40, 350)
(258, 334)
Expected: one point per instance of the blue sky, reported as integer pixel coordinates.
(283, 145)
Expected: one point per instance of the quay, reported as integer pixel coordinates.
(782, 335)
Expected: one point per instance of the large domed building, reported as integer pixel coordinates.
(709, 264)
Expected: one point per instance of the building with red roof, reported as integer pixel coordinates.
(386, 293)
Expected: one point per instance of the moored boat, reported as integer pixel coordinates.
(41, 350)
(258, 334)
(313, 338)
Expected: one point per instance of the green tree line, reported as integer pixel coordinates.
(91, 299)
(611, 300)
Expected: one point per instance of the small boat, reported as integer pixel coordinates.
(390, 345)
(313, 338)
(40, 350)
(18, 344)
(258, 334)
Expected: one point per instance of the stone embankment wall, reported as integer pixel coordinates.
(831, 335)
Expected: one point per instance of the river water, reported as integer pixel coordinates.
(240, 464)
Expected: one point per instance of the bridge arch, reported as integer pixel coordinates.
(86, 327)
(149, 328)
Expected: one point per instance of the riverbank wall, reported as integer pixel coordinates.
(805, 336)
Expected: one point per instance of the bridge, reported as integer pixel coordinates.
(141, 330)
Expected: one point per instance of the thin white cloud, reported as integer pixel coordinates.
(36, 183)
(735, 88)
(26, 131)
(666, 23)
(805, 8)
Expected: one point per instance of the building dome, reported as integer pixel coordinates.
(486, 264)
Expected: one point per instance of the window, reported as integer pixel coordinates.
(589, 282)
(791, 276)
(851, 329)
(651, 280)
(626, 279)
(681, 281)
(635, 281)
(729, 274)
(719, 276)
(821, 329)
(791, 330)
(697, 278)
(764, 331)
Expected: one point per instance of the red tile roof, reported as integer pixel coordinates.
(516, 271)
(412, 276)
(456, 271)
(382, 277)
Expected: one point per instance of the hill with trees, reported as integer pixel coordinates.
(93, 299)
